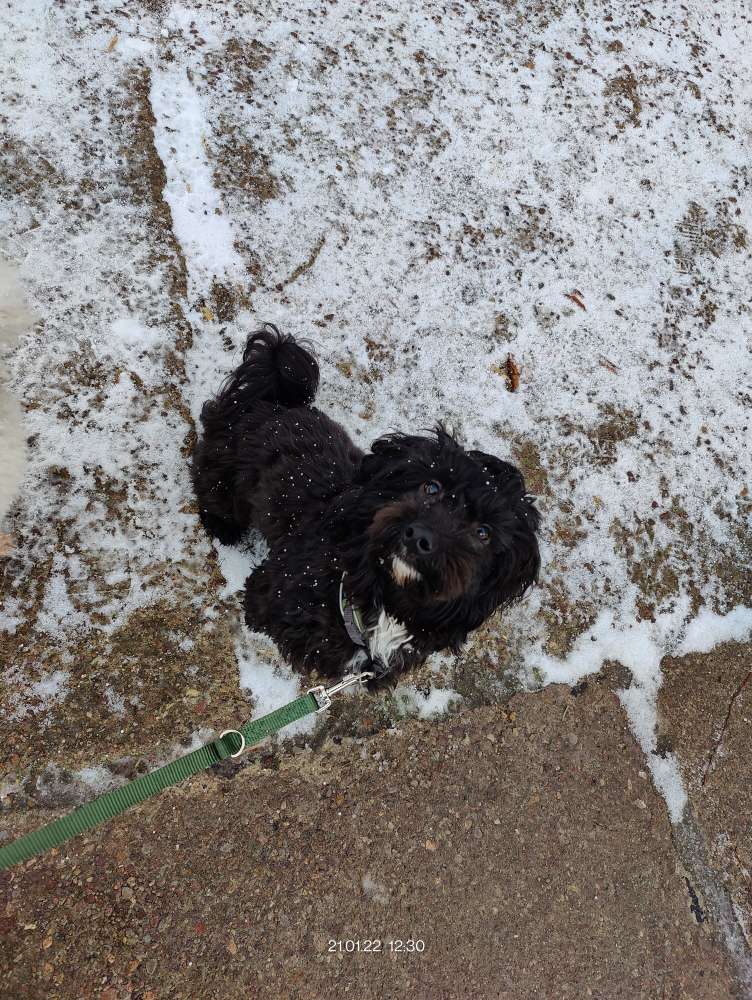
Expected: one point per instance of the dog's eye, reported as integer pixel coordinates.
(484, 532)
(432, 489)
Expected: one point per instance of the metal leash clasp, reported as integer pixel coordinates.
(323, 695)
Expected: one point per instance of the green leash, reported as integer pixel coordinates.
(231, 743)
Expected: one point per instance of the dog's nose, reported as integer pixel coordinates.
(418, 538)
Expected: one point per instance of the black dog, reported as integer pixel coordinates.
(377, 559)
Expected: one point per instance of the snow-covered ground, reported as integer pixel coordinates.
(423, 191)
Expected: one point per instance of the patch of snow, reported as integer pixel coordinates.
(58, 613)
(10, 618)
(709, 629)
(200, 220)
(237, 562)
(129, 330)
(115, 701)
(97, 780)
(15, 318)
(433, 705)
(375, 890)
(267, 680)
(44, 693)
(53, 687)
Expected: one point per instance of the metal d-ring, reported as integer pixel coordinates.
(242, 740)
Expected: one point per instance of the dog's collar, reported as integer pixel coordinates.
(351, 616)
(353, 622)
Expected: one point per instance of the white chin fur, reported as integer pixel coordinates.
(402, 572)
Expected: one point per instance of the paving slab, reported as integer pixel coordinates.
(523, 845)
(705, 716)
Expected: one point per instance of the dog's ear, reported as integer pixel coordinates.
(515, 568)
(514, 571)
(389, 444)
(517, 563)
(502, 474)
(384, 451)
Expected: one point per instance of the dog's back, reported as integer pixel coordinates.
(15, 318)
(259, 433)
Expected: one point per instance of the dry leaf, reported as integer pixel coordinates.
(430, 845)
(207, 314)
(602, 360)
(512, 372)
(576, 297)
(112, 43)
(232, 947)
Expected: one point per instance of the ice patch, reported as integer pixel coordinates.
(375, 890)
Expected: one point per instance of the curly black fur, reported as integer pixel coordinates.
(435, 536)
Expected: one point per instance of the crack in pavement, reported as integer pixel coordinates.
(691, 851)
(714, 752)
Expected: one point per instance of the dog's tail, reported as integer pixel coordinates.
(275, 369)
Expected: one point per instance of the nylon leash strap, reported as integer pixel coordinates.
(231, 743)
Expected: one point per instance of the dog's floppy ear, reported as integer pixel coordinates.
(515, 568)
(384, 451)
(389, 444)
(503, 474)
(516, 564)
